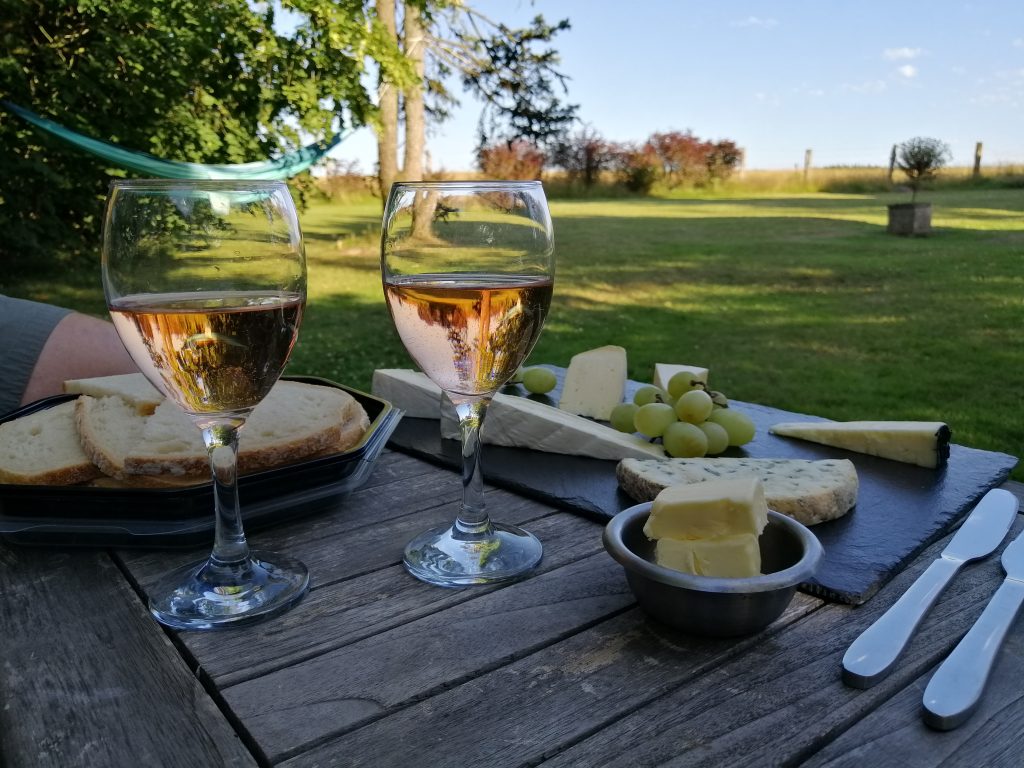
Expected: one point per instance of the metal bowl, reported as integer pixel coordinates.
(715, 607)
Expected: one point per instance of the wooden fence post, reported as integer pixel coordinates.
(808, 154)
(892, 162)
(977, 160)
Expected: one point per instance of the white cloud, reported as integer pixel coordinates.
(898, 54)
(870, 86)
(908, 71)
(756, 21)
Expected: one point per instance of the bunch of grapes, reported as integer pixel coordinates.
(691, 421)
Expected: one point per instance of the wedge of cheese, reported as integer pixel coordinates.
(809, 491)
(410, 391)
(663, 373)
(708, 510)
(516, 422)
(595, 382)
(925, 443)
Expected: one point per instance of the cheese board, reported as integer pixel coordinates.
(901, 508)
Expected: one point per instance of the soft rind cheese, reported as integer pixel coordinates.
(725, 557)
(663, 373)
(808, 491)
(595, 382)
(518, 422)
(925, 443)
(409, 391)
(708, 510)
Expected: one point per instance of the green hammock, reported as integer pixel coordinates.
(283, 167)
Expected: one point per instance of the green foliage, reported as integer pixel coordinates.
(583, 156)
(201, 82)
(920, 159)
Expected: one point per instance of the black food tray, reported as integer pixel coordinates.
(901, 508)
(79, 515)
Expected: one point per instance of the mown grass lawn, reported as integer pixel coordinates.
(800, 302)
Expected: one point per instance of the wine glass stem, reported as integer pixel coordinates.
(472, 519)
(230, 548)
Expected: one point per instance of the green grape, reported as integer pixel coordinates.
(718, 438)
(682, 382)
(739, 426)
(539, 381)
(650, 394)
(517, 377)
(652, 419)
(684, 441)
(622, 416)
(694, 406)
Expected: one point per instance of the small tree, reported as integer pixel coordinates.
(920, 159)
(583, 155)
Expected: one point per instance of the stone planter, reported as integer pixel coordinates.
(910, 219)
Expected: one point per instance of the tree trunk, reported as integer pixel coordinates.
(415, 113)
(387, 96)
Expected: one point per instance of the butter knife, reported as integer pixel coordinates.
(874, 653)
(955, 689)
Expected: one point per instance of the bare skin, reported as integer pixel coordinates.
(80, 347)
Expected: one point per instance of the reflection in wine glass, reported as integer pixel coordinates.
(206, 284)
(468, 271)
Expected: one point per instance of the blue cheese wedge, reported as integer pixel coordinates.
(925, 443)
(808, 491)
(663, 373)
(595, 382)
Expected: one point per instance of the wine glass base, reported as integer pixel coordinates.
(200, 596)
(447, 557)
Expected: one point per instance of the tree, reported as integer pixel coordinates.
(921, 158)
(203, 82)
(583, 156)
(500, 65)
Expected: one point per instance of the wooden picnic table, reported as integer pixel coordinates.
(374, 668)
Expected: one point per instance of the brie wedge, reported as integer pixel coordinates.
(925, 443)
(663, 373)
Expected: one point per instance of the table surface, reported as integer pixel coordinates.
(374, 668)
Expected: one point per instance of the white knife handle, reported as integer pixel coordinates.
(874, 652)
(955, 689)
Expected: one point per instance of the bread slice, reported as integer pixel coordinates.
(134, 388)
(808, 491)
(42, 448)
(295, 421)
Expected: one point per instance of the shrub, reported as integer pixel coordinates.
(637, 167)
(511, 160)
(583, 156)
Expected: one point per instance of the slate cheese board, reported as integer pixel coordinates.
(901, 508)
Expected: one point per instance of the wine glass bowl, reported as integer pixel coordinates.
(468, 272)
(205, 282)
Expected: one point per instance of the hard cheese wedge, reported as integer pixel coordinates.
(733, 557)
(595, 382)
(925, 443)
(516, 422)
(663, 373)
(708, 510)
(808, 491)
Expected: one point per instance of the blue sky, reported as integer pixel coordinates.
(846, 79)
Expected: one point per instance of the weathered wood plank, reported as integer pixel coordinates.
(306, 703)
(519, 713)
(784, 700)
(89, 679)
(351, 610)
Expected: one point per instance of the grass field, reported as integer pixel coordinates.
(797, 301)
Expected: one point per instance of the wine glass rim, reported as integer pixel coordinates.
(208, 184)
(470, 184)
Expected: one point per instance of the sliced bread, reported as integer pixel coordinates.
(42, 448)
(808, 491)
(134, 388)
(295, 421)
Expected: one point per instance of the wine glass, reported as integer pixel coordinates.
(468, 270)
(206, 284)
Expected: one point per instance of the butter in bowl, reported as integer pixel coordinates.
(711, 559)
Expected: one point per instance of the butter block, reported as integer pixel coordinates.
(708, 510)
(663, 373)
(724, 557)
(595, 382)
(925, 443)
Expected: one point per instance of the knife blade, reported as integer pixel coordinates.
(955, 689)
(875, 651)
